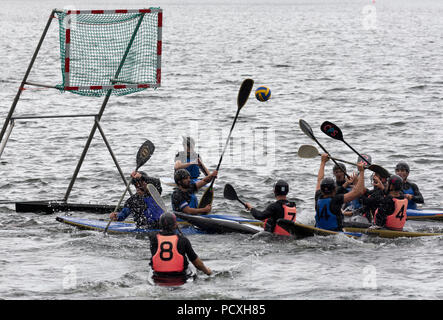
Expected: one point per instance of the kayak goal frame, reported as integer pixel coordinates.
(11, 119)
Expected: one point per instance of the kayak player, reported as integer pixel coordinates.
(410, 189)
(372, 198)
(190, 160)
(144, 209)
(356, 204)
(280, 209)
(391, 212)
(328, 203)
(339, 172)
(170, 253)
(183, 197)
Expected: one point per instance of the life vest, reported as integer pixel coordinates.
(167, 258)
(397, 219)
(411, 204)
(193, 169)
(290, 213)
(324, 218)
(194, 201)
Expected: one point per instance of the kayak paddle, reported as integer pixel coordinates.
(242, 97)
(308, 151)
(306, 128)
(230, 194)
(144, 153)
(159, 201)
(335, 132)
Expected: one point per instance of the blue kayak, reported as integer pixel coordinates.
(116, 227)
(232, 218)
(226, 222)
(424, 214)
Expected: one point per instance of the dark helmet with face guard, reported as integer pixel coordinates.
(327, 185)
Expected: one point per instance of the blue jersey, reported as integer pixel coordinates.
(411, 203)
(324, 218)
(145, 210)
(181, 199)
(412, 188)
(184, 157)
(328, 212)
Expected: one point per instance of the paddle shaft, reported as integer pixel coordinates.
(226, 145)
(361, 157)
(119, 202)
(242, 202)
(333, 159)
(242, 98)
(344, 161)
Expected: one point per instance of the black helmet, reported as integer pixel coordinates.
(327, 185)
(368, 158)
(402, 166)
(144, 177)
(181, 174)
(149, 180)
(396, 182)
(167, 221)
(338, 166)
(281, 188)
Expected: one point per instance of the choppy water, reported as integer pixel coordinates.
(374, 69)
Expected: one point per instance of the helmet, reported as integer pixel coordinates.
(167, 221)
(368, 158)
(181, 174)
(188, 141)
(338, 166)
(327, 185)
(149, 180)
(281, 188)
(396, 182)
(402, 166)
(144, 177)
(382, 179)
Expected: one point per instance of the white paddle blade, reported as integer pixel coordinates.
(307, 151)
(156, 196)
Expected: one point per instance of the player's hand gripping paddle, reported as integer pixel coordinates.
(144, 153)
(230, 194)
(306, 128)
(242, 98)
(334, 132)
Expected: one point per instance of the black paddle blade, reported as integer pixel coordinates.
(306, 128)
(244, 92)
(207, 198)
(331, 130)
(229, 192)
(382, 172)
(144, 153)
